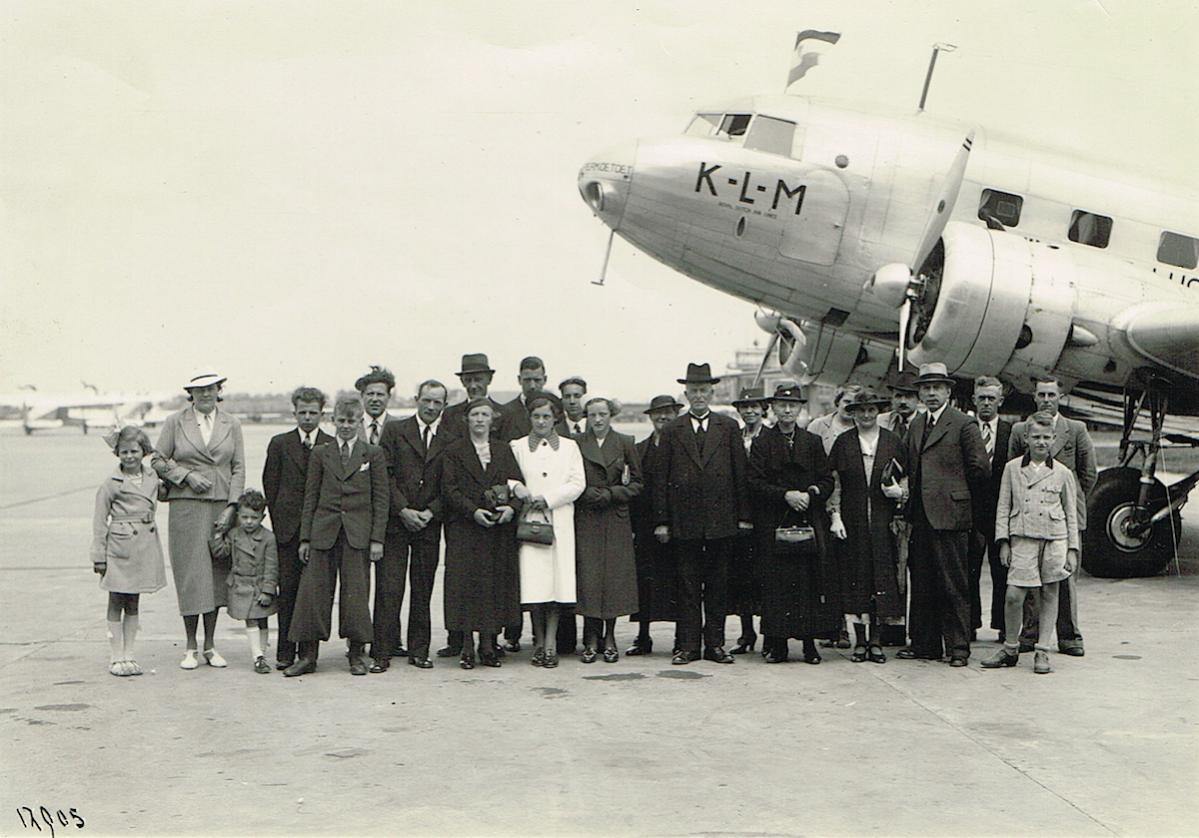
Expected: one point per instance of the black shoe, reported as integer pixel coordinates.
(744, 644)
(956, 662)
(589, 654)
(399, 651)
(1072, 651)
(1002, 657)
(358, 666)
(380, 665)
(490, 660)
(420, 663)
(282, 664)
(682, 657)
(907, 653)
(449, 652)
(640, 648)
(512, 646)
(776, 657)
(303, 666)
(717, 654)
(467, 662)
(1027, 646)
(611, 655)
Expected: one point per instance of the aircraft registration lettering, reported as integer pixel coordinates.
(782, 190)
(623, 169)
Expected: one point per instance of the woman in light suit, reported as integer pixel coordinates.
(553, 478)
(201, 458)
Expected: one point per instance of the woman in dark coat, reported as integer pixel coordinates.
(657, 571)
(605, 564)
(482, 578)
(790, 483)
(869, 566)
(744, 596)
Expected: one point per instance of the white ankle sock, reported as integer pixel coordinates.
(264, 640)
(129, 629)
(116, 641)
(255, 642)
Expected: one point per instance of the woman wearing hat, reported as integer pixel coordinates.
(553, 480)
(657, 571)
(752, 405)
(871, 464)
(790, 482)
(201, 458)
(482, 585)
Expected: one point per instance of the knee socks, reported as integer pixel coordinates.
(253, 634)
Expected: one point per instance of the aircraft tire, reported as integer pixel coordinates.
(1110, 554)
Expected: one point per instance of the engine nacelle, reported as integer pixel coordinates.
(999, 304)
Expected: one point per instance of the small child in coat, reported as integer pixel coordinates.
(1036, 528)
(125, 548)
(254, 575)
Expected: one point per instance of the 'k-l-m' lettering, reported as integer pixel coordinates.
(745, 185)
(705, 174)
(797, 192)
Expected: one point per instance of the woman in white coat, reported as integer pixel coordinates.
(552, 468)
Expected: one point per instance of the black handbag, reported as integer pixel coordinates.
(796, 540)
(530, 530)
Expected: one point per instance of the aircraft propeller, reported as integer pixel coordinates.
(903, 285)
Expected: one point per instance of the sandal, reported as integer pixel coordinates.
(213, 658)
(189, 660)
(859, 654)
(874, 654)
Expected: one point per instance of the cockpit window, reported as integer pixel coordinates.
(704, 124)
(735, 124)
(772, 135)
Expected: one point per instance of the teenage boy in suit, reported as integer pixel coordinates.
(283, 479)
(341, 530)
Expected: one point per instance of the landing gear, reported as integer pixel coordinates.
(1133, 520)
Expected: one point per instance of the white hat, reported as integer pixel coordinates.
(204, 378)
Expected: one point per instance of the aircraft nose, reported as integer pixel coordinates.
(605, 180)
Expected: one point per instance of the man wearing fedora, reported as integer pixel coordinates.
(475, 373)
(657, 568)
(949, 466)
(700, 504)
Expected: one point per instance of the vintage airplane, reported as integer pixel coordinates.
(42, 411)
(857, 229)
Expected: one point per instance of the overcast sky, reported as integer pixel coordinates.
(291, 191)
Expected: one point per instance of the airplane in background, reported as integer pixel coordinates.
(874, 239)
(85, 409)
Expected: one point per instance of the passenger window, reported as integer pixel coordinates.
(772, 135)
(703, 124)
(1001, 206)
(735, 124)
(1090, 229)
(1178, 250)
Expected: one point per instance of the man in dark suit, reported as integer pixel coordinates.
(283, 481)
(412, 448)
(574, 397)
(700, 503)
(342, 527)
(476, 374)
(948, 466)
(514, 416)
(1072, 447)
(988, 396)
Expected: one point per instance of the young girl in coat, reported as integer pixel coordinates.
(254, 573)
(125, 549)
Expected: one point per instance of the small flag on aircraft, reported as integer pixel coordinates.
(807, 55)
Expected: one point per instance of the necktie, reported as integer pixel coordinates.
(929, 422)
(308, 441)
(425, 439)
(374, 432)
(988, 442)
(901, 425)
(700, 433)
(578, 430)
(206, 426)
(345, 454)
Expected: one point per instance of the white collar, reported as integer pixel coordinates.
(432, 426)
(311, 434)
(938, 413)
(700, 420)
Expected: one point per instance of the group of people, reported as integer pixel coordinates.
(872, 521)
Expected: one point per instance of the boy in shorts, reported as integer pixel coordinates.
(1036, 528)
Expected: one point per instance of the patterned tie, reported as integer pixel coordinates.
(345, 454)
(308, 441)
(988, 441)
(374, 432)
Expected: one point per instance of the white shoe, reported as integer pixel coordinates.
(189, 660)
(213, 658)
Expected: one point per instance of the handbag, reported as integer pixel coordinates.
(534, 527)
(797, 540)
(498, 495)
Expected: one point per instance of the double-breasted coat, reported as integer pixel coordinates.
(704, 495)
(181, 450)
(125, 536)
(1073, 448)
(657, 570)
(547, 571)
(800, 594)
(606, 566)
(482, 577)
(869, 564)
(254, 570)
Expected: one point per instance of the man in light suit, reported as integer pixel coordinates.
(412, 448)
(1072, 447)
(283, 479)
(700, 504)
(341, 529)
(948, 466)
(988, 397)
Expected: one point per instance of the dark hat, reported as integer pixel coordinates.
(474, 362)
(698, 374)
(863, 398)
(751, 395)
(788, 393)
(542, 397)
(934, 373)
(904, 382)
(660, 402)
